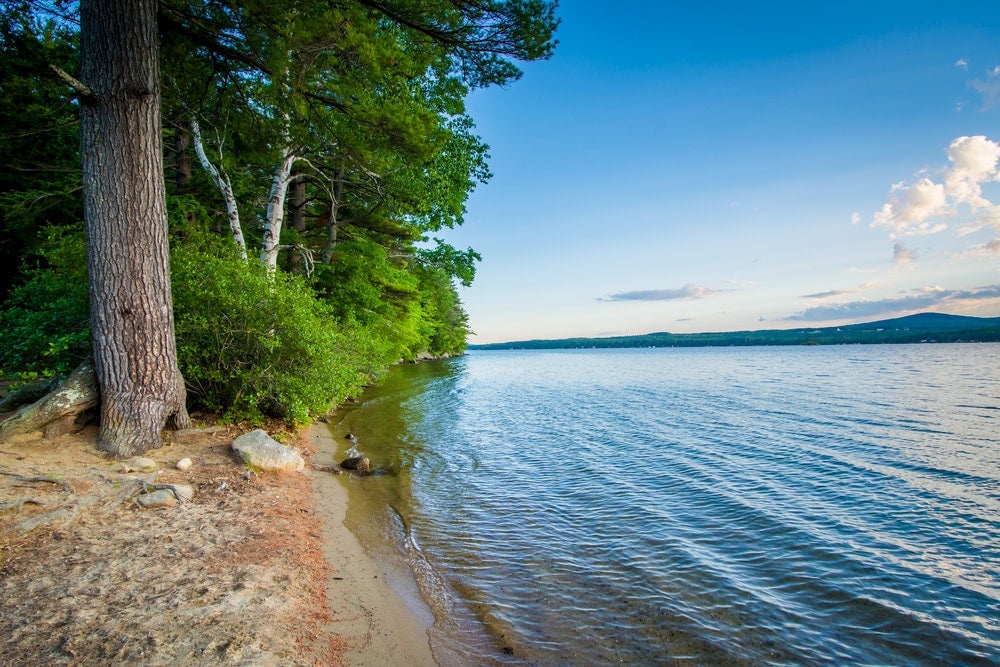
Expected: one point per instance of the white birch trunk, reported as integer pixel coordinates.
(269, 244)
(225, 187)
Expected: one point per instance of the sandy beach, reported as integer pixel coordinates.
(363, 604)
(257, 569)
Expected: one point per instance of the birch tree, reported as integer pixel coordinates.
(225, 186)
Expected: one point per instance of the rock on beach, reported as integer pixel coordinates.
(261, 451)
(160, 498)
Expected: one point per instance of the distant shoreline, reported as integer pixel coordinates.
(920, 328)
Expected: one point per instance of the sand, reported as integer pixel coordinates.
(363, 601)
(258, 569)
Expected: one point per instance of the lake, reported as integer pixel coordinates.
(770, 505)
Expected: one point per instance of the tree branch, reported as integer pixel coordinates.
(82, 90)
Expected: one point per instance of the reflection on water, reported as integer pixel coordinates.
(738, 506)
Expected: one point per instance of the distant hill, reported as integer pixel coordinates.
(920, 328)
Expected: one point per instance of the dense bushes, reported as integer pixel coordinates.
(44, 324)
(249, 344)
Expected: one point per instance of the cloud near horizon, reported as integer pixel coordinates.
(689, 291)
(827, 295)
(916, 209)
(863, 287)
(917, 300)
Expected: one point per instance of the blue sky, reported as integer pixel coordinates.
(714, 166)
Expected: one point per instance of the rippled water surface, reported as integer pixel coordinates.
(807, 505)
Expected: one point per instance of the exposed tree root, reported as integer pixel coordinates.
(21, 478)
(146, 486)
(55, 412)
(19, 504)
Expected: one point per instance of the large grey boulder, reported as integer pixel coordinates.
(263, 452)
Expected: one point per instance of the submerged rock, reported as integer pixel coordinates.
(261, 451)
(358, 463)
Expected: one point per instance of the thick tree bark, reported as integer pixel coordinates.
(132, 323)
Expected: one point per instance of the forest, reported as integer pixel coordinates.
(286, 165)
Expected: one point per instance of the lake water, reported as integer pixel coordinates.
(790, 505)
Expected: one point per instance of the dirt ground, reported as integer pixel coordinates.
(87, 576)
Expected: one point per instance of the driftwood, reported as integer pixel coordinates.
(56, 412)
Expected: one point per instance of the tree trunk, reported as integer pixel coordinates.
(225, 186)
(297, 199)
(269, 244)
(182, 160)
(131, 309)
(297, 204)
(333, 221)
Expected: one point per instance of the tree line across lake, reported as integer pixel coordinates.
(233, 205)
(919, 328)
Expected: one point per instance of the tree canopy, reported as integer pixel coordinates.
(323, 142)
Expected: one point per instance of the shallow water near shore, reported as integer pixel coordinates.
(806, 505)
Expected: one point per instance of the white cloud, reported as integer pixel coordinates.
(989, 88)
(902, 255)
(917, 209)
(974, 162)
(961, 63)
(828, 294)
(933, 297)
(689, 291)
(910, 207)
(855, 218)
(988, 249)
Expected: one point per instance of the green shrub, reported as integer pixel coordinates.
(253, 345)
(45, 322)
(249, 345)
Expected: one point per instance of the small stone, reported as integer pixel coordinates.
(184, 464)
(183, 492)
(140, 464)
(161, 498)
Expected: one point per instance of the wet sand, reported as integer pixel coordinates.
(387, 628)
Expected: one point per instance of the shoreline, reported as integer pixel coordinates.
(255, 569)
(394, 629)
